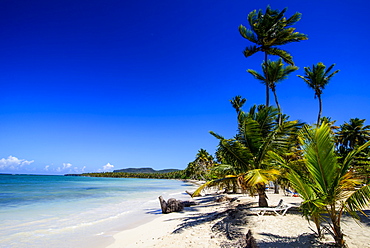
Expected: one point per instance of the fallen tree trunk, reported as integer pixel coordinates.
(173, 205)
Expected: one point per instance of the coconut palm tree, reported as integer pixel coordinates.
(268, 31)
(353, 133)
(201, 166)
(245, 158)
(237, 102)
(317, 78)
(328, 187)
(350, 135)
(273, 73)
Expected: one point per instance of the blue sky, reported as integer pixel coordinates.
(93, 85)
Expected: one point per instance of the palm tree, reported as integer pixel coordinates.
(237, 102)
(273, 73)
(328, 187)
(317, 78)
(269, 30)
(353, 133)
(245, 158)
(201, 166)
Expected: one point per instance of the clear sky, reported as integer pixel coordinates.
(97, 85)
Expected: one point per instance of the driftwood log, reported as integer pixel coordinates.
(173, 205)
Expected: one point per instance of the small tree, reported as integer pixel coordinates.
(328, 187)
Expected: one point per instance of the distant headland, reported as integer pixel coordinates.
(137, 173)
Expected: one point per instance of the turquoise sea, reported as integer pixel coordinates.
(65, 211)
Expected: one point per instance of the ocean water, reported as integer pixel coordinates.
(62, 211)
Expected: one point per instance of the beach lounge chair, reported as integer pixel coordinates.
(280, 209)
(289, 192)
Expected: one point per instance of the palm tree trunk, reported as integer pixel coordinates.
(317, 221)
(320, 109)
(337, 230)
(267, 86)
(277, 105)
(276, 187)
(262, 197)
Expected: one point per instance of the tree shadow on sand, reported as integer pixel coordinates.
(365, 220)
(305, 240)
(228, 223)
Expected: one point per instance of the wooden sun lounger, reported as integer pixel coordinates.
(280, 209)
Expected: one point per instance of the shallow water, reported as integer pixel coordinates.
(59, 211)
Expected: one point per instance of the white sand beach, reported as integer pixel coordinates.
(224, 224)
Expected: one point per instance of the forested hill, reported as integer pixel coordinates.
(144, 170)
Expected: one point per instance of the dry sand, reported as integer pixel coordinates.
(224, 224)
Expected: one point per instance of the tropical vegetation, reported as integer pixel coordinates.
(169, 175)
(330, 188)
(244, 159)
(200, 168)
(328, 165)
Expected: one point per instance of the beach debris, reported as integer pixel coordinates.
(250, 240)
(173, 205)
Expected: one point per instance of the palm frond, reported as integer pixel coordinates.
(247, 34)
(303, 187)
(233, 153)
(320, 157)
(250, 50)
(351, 156)
(260, 176)
(358, 200)
(282, 54)
(293, 19)
(257, 76)
(213, 183)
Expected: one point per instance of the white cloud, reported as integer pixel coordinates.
(66, 165)
(13, 163)
(69, 168)
(108, 167)
(47, 167)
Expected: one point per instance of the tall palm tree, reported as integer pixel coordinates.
(317, 78)
(328, 187)
(269, 30)
(237, 102)
(273, 73)
(245, 158)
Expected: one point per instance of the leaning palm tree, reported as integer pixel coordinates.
(317, 78)
(268, 31)
(244, 159)
(328, 187)
(273, 73)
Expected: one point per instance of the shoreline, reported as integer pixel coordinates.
(224, 224)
